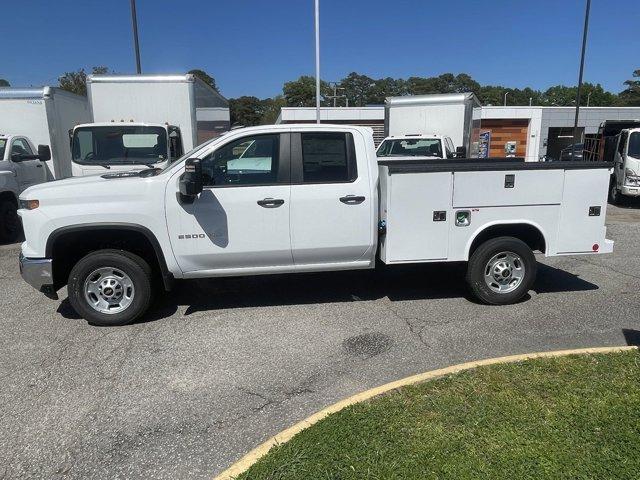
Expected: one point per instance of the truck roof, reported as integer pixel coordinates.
(34, 93)
(118, 124)
(410, 136)
(434, 99)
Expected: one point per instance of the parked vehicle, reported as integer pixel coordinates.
(44, 115)
(617, 142)
(146, 120)
(572, 152)
(626, 158)
(416, 147)
(303, 198)
(455, 115)
(21, 166)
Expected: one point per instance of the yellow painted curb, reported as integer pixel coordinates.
(254, 455)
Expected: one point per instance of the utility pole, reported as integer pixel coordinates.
(134, 21)
(584, 47)
(589, 98)
(317, 18)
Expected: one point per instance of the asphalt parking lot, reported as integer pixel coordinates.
(219, 366)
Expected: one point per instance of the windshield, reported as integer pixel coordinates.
(409, 147)
(634, 145)
(119, 144)
(3, 145)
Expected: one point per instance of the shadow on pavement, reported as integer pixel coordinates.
(398, 283)
(632, 337)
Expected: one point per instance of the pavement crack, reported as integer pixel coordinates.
(266, 400)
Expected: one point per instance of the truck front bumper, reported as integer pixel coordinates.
(630, 191)
(38, 272)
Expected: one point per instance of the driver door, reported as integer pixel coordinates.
(28, 172)
(240, 221)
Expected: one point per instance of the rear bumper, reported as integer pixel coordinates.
(606, 247)
(38, 272)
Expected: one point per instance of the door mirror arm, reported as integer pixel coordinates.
(191, 180)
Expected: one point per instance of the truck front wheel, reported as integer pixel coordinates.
(110, 287)
(501, 271)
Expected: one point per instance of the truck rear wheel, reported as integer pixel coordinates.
(9, 221)
(110, 287)
(501, 271)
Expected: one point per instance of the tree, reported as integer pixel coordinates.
(76, 82)
(4, 83)
(357, 88)
(271, 109)
(387, 87)
(205, 77)
(246, 111)
(631, 96)
(302, 92)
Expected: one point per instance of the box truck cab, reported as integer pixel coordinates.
(626, 178)
(122, 146)
(21, 167)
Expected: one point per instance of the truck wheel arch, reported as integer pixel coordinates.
(134, 230)
(529, 232)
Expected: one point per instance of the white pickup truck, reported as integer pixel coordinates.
(303, 198)
(21, 166)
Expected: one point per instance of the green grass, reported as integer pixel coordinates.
(572, 417)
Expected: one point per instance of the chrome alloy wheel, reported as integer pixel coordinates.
(109, 290)
(504, 272)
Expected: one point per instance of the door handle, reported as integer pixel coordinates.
(352, 199)
(270, 202)
(39, 165)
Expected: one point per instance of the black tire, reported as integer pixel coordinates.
(479, 265)
(9, 221)
(133, 266)
(615, 196)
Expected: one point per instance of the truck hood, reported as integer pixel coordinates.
(88, 188)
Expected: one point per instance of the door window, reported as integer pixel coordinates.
(21, 147)
(621, 144)
(326, 158)
(246, 161)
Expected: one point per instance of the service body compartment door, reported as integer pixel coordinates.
(507, 188)
(418, 216)
(584, 205)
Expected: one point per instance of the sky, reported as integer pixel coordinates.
(252, 47)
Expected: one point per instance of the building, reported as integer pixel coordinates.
(530, 132)
(544, 131)
(372, 116)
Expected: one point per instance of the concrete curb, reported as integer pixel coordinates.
(254, 455)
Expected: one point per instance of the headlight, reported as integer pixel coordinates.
(29, 204)
(632, 181)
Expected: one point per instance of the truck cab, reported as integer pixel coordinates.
(21, 167)
(626, 178)
(123, 146)
(416, 147)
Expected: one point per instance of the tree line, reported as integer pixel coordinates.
(360, 90)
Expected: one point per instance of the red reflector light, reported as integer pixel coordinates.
(595, 247)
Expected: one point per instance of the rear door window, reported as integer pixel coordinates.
(327, 158)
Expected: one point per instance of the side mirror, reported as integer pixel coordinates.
(44, 152)
(191, 180)
(461, 152)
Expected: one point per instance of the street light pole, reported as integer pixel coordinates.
(317, 18)
(134, 21)
(584, 47)
(505, 98)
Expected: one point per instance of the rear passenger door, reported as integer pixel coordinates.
(331, 204)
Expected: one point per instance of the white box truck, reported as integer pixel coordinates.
(455, 115)
(304, 198)
(145, 120)
(44, 115)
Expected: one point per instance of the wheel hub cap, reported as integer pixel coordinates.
(108, 290)
(504, 272)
